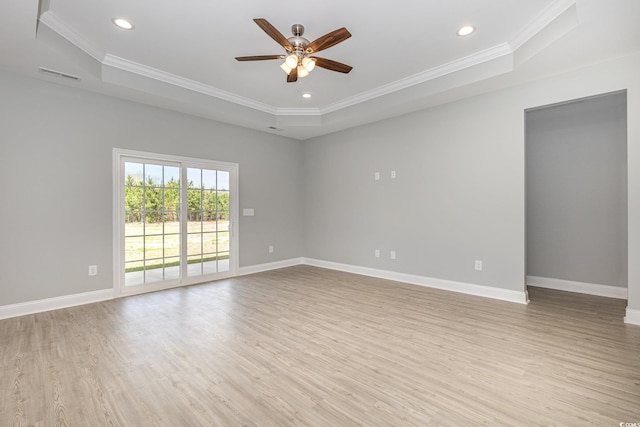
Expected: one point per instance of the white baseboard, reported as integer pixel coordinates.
(520, 297)
(579, 287)
(251, 269)
(48, 304)
(632, 317)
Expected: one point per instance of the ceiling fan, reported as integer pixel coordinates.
(299, 60)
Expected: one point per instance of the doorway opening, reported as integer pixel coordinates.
(576, 196)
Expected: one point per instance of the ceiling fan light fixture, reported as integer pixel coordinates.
(297, 62)
(302, 72)
(286, 68)
(291, 60)
(309, 64)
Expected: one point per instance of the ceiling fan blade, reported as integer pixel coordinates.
(328, 40)
(258, 57)
(332, 65)
(273, 33)
(293, 75)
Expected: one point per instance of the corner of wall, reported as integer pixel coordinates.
(632, 317)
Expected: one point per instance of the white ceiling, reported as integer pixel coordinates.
(405, 53)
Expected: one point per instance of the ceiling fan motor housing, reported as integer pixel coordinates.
(297, 41)
(297, 29)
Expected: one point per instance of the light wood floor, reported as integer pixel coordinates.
(313, 347)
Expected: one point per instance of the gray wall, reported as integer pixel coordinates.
(577, 191)
(57, 152)
(458, 195)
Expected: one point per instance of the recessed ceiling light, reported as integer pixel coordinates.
(123, 23)
(306, 95)
(466, 30)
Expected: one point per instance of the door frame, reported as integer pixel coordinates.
(119, 287)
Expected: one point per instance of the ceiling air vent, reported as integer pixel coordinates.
(60, 74)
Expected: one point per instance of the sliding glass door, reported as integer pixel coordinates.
(208, 214)
(151, 222)
(174, 220)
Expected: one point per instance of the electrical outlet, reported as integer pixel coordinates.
(393, 174)
(93, 270)
(377, 253)
(376, 176)
(392, 255)
(478, 265)
(270, 249)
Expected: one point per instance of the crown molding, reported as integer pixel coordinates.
(56, 24)
(431, 74)
(298, 112)
(425, 76)
(192, 85)
(540, 22)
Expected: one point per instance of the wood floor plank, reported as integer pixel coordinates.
(304, 346)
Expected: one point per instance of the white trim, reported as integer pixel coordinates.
(119, 154)
(632, 316)
(117, 226)
(466, 62)
(171, 157)
(506, 48)
(183, 82)
(48, 304)
(109, 60)
(520, 297)
(540, 22)
(447, 285)
(295, 111)
(579, 287)
(56, 24)
(460, 64)
(258, 268)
